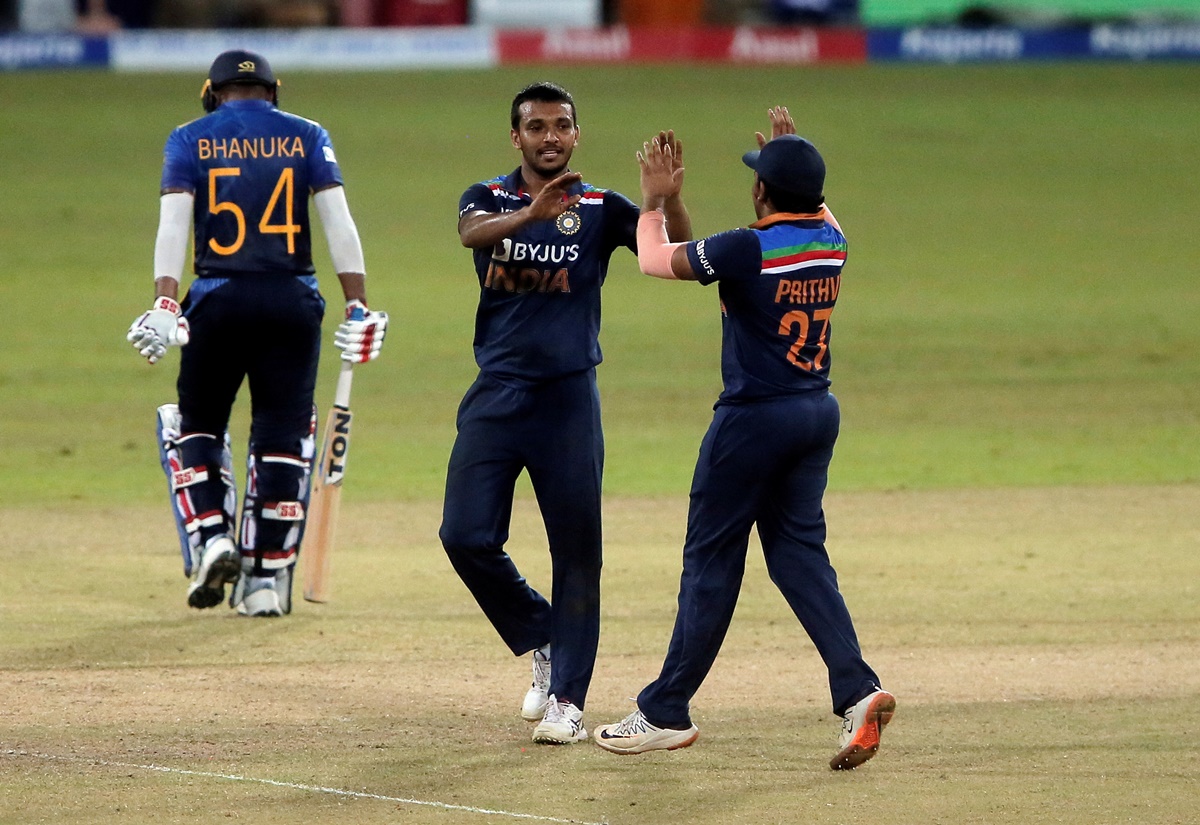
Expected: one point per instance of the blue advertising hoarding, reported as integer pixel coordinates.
(52, 51)
(949, 44)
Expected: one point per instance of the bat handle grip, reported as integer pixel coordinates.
(341, 395)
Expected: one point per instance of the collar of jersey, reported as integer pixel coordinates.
(247, 104)
(788, 217)
(515, 184)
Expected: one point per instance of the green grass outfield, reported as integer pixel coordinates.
(1018, 307)
(1012, 507)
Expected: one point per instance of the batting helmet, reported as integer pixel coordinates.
(237, 66)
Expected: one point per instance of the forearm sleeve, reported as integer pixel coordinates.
(345, 248)
(654, 252)
(174, 223)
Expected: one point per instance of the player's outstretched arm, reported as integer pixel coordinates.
(679, 222)
(660, 177)
(480, 230)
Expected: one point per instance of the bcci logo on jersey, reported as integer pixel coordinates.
(568, 223)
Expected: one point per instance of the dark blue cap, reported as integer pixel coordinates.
(239, 66)
(790, 163)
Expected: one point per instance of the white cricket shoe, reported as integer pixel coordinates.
(281, 583)
(861, 729)
(538, 696)
(562, 724)
(635, 734)
(261, 598)
(219, 564)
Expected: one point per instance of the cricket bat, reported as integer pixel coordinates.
(328, 474)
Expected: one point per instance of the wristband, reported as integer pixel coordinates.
(169, 304)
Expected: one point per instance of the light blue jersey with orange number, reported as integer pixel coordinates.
(251, 168)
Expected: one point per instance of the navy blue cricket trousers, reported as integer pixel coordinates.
(552, 430)
(763, 463)
(264, 330)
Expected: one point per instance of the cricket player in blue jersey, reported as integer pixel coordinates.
(542, 239)
(242, 176)
(765, 458)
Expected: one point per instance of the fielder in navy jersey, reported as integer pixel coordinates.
(542, 239)
(242, 176)
(765, 459)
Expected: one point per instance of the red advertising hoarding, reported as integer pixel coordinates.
(740, 45)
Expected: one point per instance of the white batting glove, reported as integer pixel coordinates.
(360, 336)
(161, 327)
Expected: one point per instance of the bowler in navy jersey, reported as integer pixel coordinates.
(764, 461)
(541, 241)
(241, 178)
(539, 307)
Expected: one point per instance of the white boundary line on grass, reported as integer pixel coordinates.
(292, 785)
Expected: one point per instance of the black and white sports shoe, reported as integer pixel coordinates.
(219, 565)
(562, 724)
(635, 734)
(261, 598)
(538, 695)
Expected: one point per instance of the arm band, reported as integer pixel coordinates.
(345, 248)
(831, 220)
(654, 252)
(174, 223)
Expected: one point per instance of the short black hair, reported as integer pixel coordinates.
(542, 92)
(785, 201)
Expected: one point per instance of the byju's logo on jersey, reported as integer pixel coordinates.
(568, 223)
(703, 256)
(530, 267)
(535, 253)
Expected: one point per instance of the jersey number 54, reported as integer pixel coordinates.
(284, 189)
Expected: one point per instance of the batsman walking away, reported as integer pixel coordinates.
(764, 461)
(541, 241)
(240, 178)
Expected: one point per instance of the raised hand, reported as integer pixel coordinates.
(781, 124)
(669, 142)
(661, 172)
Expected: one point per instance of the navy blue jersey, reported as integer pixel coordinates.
(539, 302)
(779, 280)
(251, 168)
